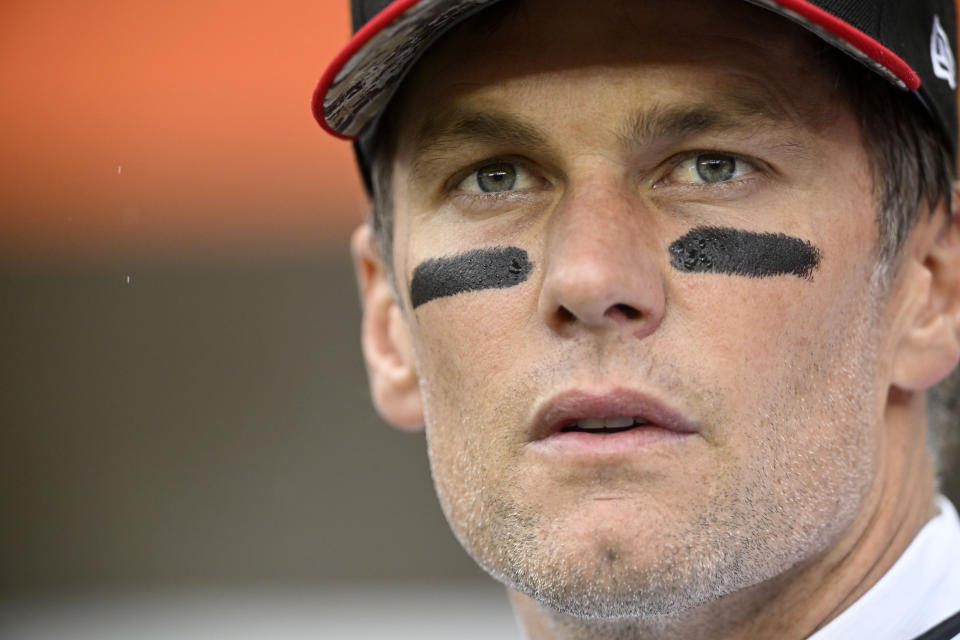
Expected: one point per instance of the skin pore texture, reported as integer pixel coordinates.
(493, 268)
(783, 468)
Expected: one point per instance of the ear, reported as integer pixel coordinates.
(929, 348)
(385, 337)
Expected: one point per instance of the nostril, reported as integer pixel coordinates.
(614, 312)
(625, 310)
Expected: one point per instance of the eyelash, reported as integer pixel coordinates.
(758, 168)
(460, 176)
(481, 201)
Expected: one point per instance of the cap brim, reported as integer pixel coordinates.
(364, 76)
(362, 79)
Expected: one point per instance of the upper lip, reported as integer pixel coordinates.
(564, 408)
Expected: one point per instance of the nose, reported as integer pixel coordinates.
(601, 270)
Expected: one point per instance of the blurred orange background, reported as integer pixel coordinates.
(150, 129)
(147, 128)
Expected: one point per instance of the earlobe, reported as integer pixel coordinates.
(385, 338)
(930, 346)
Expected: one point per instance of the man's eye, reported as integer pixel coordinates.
(709, 168)
(497, 177)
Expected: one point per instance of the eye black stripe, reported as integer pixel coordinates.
(494, 268)
(744, 253)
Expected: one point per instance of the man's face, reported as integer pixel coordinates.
(593, 140)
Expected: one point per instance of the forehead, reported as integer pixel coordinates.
(761, 58)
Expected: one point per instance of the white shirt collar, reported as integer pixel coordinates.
(920, 589)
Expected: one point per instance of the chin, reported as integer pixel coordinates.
(615, 593)
(606, 577)
(622, 568)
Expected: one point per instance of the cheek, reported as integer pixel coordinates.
(474, 362)
(793, 363)
(793, 368)
(466, 340)
(473, 353)
(774, 340)
(733, 326)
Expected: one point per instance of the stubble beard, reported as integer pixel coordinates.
(749, 533)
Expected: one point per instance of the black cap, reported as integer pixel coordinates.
(911, 43)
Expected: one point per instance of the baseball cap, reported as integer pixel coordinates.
(911, 43)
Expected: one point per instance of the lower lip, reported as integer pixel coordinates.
(580, 442)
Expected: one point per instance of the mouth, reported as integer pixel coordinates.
(604, 425)
(608, 422)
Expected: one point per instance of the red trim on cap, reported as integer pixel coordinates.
(360, 38)
(870, 47)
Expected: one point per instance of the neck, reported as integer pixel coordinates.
(802, 600)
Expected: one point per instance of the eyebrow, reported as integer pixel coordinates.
(450, 129)
(738, 111)
(458, 125)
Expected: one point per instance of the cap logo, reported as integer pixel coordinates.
(944, 65)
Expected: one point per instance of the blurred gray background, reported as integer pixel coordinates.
(201, 424)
